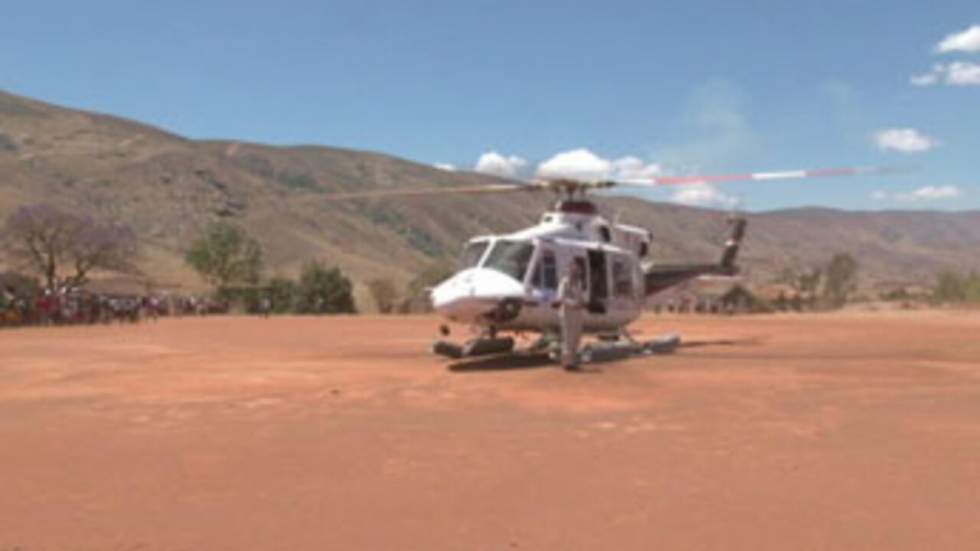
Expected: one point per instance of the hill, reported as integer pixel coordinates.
(169, 188)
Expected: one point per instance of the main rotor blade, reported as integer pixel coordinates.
(764, 176)
(488, 188)
(572, 186)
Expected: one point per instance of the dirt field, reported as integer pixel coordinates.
(851, 431)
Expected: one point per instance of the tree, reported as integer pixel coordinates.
(324, 290)
(282, 293)
(64, 248)
(384, 293)
(841, 279)
(225, 255)
(972, 290)
(952, 287)
(18, 284)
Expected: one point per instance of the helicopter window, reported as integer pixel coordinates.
(473, 253)
(622, 278)
(510, 257)
(546, 272)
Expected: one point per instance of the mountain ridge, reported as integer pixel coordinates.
(169, 188)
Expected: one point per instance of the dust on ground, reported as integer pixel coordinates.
(853, 430)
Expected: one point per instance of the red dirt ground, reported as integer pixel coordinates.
(849, 431)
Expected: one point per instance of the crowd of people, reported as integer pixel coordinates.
(78, 307)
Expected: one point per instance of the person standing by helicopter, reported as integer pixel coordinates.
(571, 301)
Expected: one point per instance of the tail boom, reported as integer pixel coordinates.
(658, 278)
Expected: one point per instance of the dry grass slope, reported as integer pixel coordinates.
(169, 188)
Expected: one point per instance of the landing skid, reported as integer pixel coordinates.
(605, 350)
(473, 348)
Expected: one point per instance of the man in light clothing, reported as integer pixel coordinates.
(571, 297)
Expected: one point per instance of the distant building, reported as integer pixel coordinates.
(902, 291)
(783, 297)
(710, 295)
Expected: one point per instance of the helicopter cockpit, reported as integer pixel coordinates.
(507, 256)
(510, 258)
(473, 252)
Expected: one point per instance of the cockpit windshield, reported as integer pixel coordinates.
(510, 257)
(472, 254)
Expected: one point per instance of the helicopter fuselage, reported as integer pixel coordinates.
(509, 282)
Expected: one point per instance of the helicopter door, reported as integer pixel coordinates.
(583, 269)
(545, 276)
(598, 282)
(623, 284)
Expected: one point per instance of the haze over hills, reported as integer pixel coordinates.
(169, 188)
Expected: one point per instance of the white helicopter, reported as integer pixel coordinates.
(508, 283)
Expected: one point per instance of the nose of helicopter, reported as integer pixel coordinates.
(472, 293)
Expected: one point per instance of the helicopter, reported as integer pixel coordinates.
(508, 283)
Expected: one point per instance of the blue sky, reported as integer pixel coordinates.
(680, 87)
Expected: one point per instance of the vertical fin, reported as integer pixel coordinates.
(734, 241)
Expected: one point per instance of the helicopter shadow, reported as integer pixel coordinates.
(501, 362)
(747, 341)
(518, 362)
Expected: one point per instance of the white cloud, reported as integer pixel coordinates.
(927, 193)
(583, 164)
(703, 195)
(966, 41)
(957, 73)
(580, 163)
(927, 79)
(713, 127)
(903, 140)
(496, 164)
(931, 193)
(962, 73)
(445, 166)
(634, 169)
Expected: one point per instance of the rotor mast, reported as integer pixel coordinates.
(572, 194)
